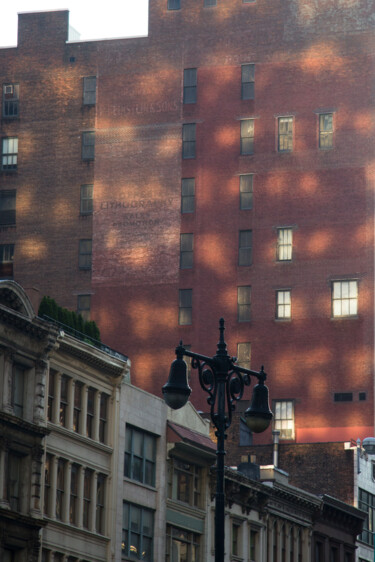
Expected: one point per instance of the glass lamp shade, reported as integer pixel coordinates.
(176, 391)
(258, 416)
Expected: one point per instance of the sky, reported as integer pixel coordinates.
(93, 20)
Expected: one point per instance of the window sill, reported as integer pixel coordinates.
(351, 317)
(283, 319)
(83, 438)
(141, 484)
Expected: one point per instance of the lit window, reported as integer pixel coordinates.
(326, 130)
(7, 207)
(344, 298)
(283, 305)
(247, 81)
(85, 254)
(185, 482)
(6, 261)
(137, 532)
(10, 100)
(186, 251)
(182, 545)
(86, 202)
(140, 456)
(243, 354)
(246, 191)
(89, 90)
(284, 418)
(285, 134)
(9, 159)
(188, 140)
(83, 306)
(174, 4)
(247, 136)
(284, 244)
(190, 85)
(185, 306)
(88, 145)
(245, 250)
(187, 195)
(243, 303)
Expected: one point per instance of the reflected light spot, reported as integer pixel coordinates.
(34, 248)
(147, 318)
(224, 137)
(319, 242)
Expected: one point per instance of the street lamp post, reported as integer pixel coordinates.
(224, 382)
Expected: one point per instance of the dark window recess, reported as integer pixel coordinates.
(185, 307)
(190, 85)
(86, 201)
(247, 81)
(343, 397)
(174, 5)
(210, 2)
(7, 207)
(362, 396)
(10, 100)
(6, 261)
(188, 140)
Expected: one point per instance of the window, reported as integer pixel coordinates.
(361, 396)
(283, 305)
(86, 199)
(73, 494)
(89, 90)
(182, 546)
(88, 145)
(209, 2)
(190, 85)
(87, 497)
(85, 254)
(83, 306)
(284, 418)
(7, 207)
(185, 306)
(285, 134)
(90, 412)
(254, 545)
(100, 498)
(187, 195)
(174, 4)
(60, 488)
(6, 261)
(326, 130)
(14, 480)
(140, 456)
(186, 251)
(77, 406)
(103, 417)
(236, 540)
(51, 394)
(366, 502)
(18, 390)
(247, 81)
(284, 244)
(247, 136)
(10, 100)
(243, 354)
(243, 303)
(344, 298)
(188, 140)
(185, 482)
(9, 154)
(47, 484)
(343, 397)
(246, 192)
(137, 532)
(64, 400)
(245, 252)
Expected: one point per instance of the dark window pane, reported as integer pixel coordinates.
(190, 85)
(246, 192)
(188, 140)
(187, 195)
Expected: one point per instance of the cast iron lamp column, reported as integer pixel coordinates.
(224, 381)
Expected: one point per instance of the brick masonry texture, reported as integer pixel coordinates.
(310, 57)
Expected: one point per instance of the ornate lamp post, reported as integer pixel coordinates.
(224, 382)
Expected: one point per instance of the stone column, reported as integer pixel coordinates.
(70, 410)
(83, 427)
(4, 444)
(36, 480)
(41, 372)
(94, 485)
(53, 488)
(66, 500)
(96, 416)
(8, 367)
(81, 483)
(56, 401)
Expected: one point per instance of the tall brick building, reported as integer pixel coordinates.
(221, 166)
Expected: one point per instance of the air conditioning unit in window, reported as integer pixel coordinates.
(8, 90)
